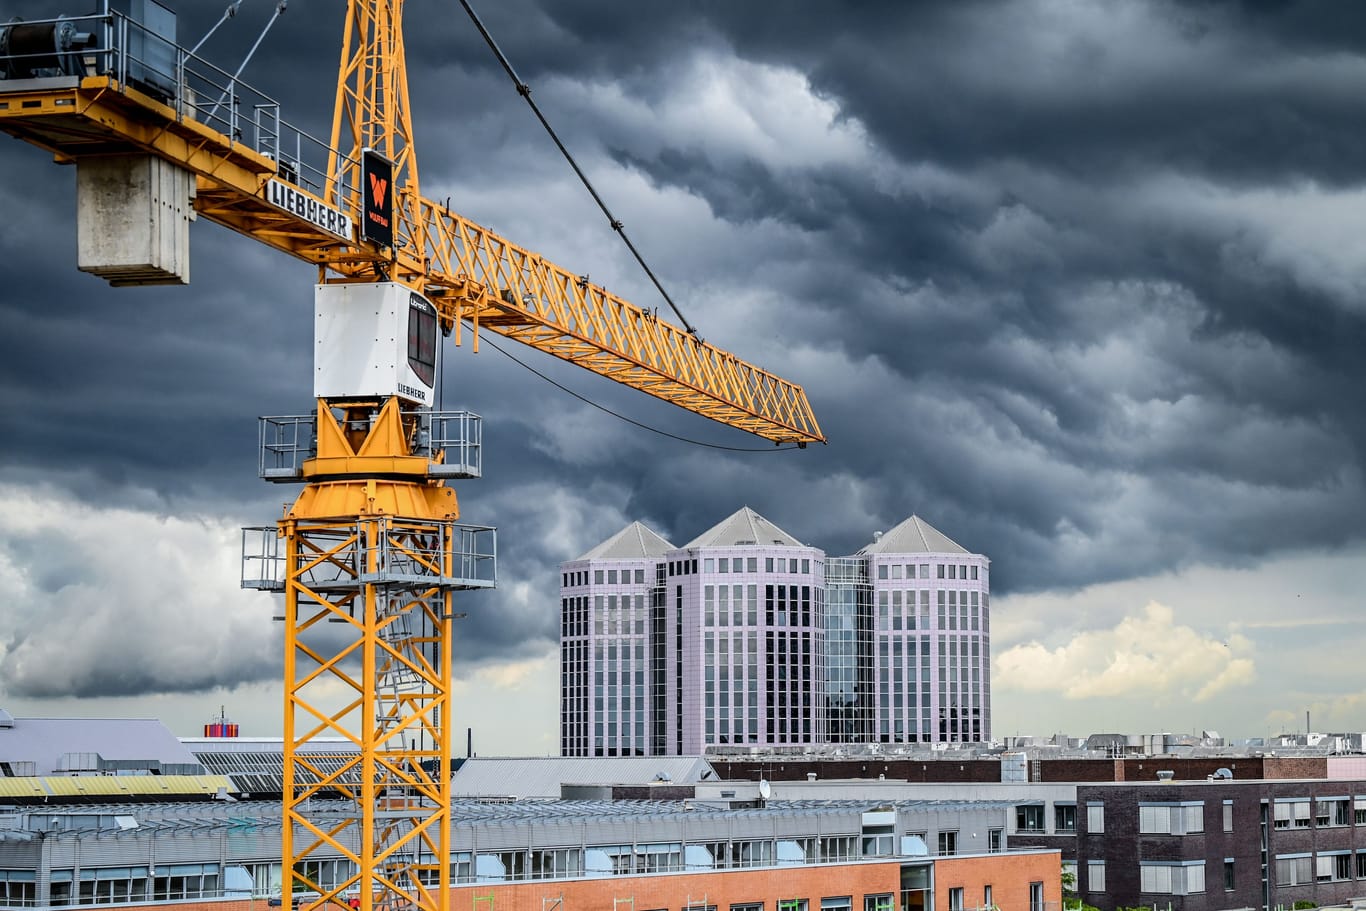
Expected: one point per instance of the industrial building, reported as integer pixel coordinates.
(649, 832)
(746, 637)
(538, 854)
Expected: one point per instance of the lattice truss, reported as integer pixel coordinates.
(368, 600)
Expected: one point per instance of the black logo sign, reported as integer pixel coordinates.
(377, 217)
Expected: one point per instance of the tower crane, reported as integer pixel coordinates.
(371, 550)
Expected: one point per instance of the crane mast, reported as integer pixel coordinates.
(370, 553)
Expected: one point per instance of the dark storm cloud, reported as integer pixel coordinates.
(1043, 269)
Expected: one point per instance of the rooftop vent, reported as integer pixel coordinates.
(6, 719)
(1165, 775)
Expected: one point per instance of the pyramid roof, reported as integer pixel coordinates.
(914, 536)
(635, 540)
(744, 526)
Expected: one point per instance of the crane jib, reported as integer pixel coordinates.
(333, 221)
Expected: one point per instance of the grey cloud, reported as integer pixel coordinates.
(1003, 322)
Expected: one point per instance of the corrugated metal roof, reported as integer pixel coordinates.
(113, 785)
(744, 526)
(915, 536)
(542, 777)
(635, 540)
(21, 787)
(44, 741)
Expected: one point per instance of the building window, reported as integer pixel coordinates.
(881, 902)
(1294, 871)
(1336, 811)
(956, 898)
(1065, 817)
(1333, 867)
(986, 897)
(940, 569)
(597, 577)
(1035, 889)
(1029, 817)
(555, 863)
(1095, 818)
(1095, 876)
(1172, 879)
(1171, 819)
(948, 843)
(1229, 879)
(1361, 865)
(995, 841)
(1228, 816)
(839, 903)
(877, 841)
(1292, 812)
(18, 888)
(748, 906)
(791, 904)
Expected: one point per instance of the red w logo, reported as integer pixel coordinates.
(378, 188)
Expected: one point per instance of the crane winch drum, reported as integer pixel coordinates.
(35, 50)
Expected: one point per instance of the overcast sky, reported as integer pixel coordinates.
(1079, 282)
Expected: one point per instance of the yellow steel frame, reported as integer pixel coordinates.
(395, 822)
(370, 566)
(348, 619)
(472, 274)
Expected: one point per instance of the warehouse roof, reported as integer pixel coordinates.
(542, 777)
(80, 744)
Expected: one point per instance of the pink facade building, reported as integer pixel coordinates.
(746, 637)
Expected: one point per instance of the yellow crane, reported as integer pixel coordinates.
(369, 553)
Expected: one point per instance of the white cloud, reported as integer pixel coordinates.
(1148, 654)
(114, 600)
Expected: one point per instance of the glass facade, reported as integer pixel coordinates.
(849, 663)
(760, 644)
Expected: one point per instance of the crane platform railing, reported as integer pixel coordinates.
(138, 58)
(406, 552)
(451, 440)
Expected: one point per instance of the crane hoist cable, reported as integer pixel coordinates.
(621, 417)
(524, 90)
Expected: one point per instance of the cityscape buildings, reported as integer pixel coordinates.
(747, 638)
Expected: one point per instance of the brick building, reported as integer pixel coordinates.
(1202, 846)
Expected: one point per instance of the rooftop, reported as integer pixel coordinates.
(635, 540)
(914, 536)
(744, 526)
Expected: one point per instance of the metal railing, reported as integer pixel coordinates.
(405, 553)
(140, 57)
(452, 441)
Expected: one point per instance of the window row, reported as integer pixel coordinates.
(942, 571)
(1326, 866)
(627, 859)
(1328, 811)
